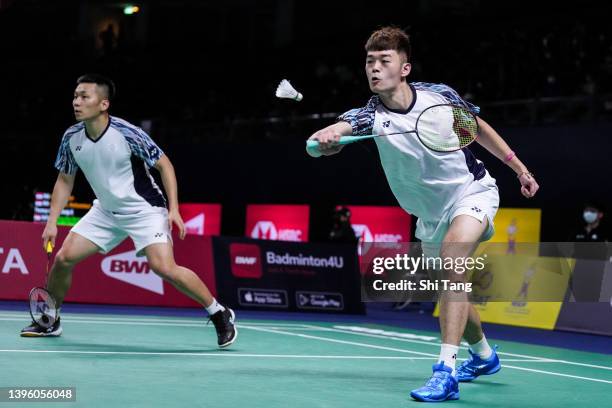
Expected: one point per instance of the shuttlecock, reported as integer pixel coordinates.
(287, 91)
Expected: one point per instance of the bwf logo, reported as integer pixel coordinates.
(129, 268)
(245, 260)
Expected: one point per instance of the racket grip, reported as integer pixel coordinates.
(312, 144)
(49, 247)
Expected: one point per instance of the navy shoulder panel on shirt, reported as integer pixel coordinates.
(139, 141)
(448, 93)
(361, 119)
(65, 162)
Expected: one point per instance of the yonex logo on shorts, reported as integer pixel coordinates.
(476, 209)
(78, 148)
(159, 235)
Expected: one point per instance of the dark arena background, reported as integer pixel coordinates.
(200, 78)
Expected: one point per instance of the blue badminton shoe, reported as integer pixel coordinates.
(441, 386)
(475, 366)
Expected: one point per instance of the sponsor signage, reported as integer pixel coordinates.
(319, 300)
(277, 222)
(380, 224)
(296, 276)
(119, 277)
(263, 297)
(201, 219)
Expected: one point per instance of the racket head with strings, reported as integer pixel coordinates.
(446, 127)
(43, 307)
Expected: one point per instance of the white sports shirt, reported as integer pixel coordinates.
(425, 183)
(116, 165)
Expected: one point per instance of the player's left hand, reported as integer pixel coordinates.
(175, 218)
(529, 185)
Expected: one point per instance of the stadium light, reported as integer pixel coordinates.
(129, 10)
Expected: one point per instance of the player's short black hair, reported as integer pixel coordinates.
(105, 83)
(389, 38)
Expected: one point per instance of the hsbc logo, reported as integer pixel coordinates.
(13, 261)
(195, 225)
(245, 260)
(129, 268)
(264, 230)
(363, 232)
(267, 230)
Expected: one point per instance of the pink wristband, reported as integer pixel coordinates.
(509, 157)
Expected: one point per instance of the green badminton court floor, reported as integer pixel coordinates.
(148, 361)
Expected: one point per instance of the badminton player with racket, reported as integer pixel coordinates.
(115, 157)
(421, 131)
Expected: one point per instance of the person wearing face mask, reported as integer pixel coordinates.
(592, 230)
(342, 231)
(590, 245)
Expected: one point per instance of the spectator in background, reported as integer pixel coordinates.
(592, 230)
(109, 40)
(342, 231)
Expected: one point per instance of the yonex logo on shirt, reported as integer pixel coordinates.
(386, 124)
(78, 148)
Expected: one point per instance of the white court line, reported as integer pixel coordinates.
(74, 318)
(307, 336)
(218, 354)
(558, 374)
(169, 324)
(465, 348)
(222, 354)
(437, 344)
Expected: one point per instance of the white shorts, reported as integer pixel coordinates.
(107, 229)
(480, 200)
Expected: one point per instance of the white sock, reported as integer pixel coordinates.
(482, 348)
(214, 307)
(448, 354)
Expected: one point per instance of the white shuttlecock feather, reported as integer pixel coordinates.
(287, 91)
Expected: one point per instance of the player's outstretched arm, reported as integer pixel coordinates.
(168, 176)
(59, 198)
(493, 142)
(328, 139)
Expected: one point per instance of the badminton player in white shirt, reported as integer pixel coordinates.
(451, 193)
(115, 157)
